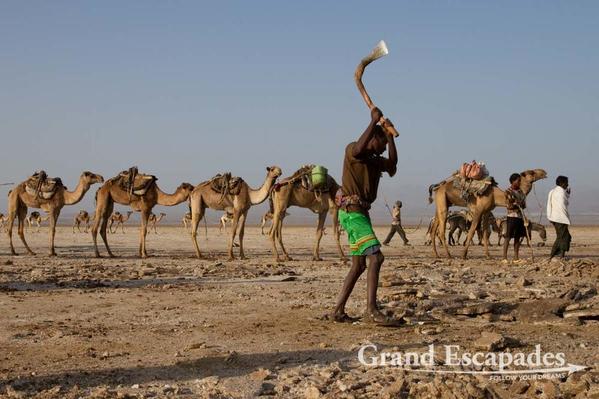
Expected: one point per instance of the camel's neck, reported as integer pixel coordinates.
(73, 197)
(260, 195)
(170, 199)
(526, 187)
(499, 197)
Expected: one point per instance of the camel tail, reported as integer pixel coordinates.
(431, 188)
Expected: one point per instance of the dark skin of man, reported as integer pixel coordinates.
(373, 141)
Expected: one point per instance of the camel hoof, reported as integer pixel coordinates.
(316, 259)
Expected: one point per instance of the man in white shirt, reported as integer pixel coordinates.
(557, 213)
(396, 225)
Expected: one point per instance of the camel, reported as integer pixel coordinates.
(224, 219)
(186, 220)
(446, 195)
(120, 220)
(204, 196)
(532, 226)
(19, 199)
(294, 194)
(36, 218)
(139, 199)
(461, 221)
(81, 217)
(153, 220)
(265, 218)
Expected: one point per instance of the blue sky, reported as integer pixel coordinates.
(188, 89)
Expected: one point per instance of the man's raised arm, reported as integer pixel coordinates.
(362, 143)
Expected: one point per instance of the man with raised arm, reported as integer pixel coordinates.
(363, 166)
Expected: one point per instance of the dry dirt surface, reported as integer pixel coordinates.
(174, 326)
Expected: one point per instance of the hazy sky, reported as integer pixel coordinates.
(186, 90)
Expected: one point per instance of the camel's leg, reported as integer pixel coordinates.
(52, 229)
(440, 226)
(242, 220)
(486, 232)
(13, 211)
(262, 224)
(434, 237)
(273, 235)
(475, 221)
(322, 217)
(107, 213)
(143, 232)
(337, 232)
(197, 213)
(22, 214)
(97, 221)
(75, 224)
(280, 201)
(236, 215)
(123, 227)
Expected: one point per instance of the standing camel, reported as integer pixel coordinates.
(447, 195)
(227, 217)
(154, 220)
(186, 220)
(35, 218)
(81, 217)
(52, 202)
(532, 226)
(291, 193)
(238, 203)
(141, 193)
(120, 220)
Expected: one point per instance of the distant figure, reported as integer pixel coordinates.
(396, 225)
(36, 218)
(557, 213)
(153, 220)
(516, 202)
(186, 221)
(119, 219)
(81, 218)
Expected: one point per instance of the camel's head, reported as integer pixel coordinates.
(274, 171)
(92, 178)
(533, 175)
(185, 188)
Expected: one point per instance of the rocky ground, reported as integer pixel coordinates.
(173, 326)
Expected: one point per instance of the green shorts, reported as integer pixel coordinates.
(359, 232)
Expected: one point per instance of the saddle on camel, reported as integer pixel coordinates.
(133, 182)
(472, 179)
(313, 178)
(39, 185)
(225, 184)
